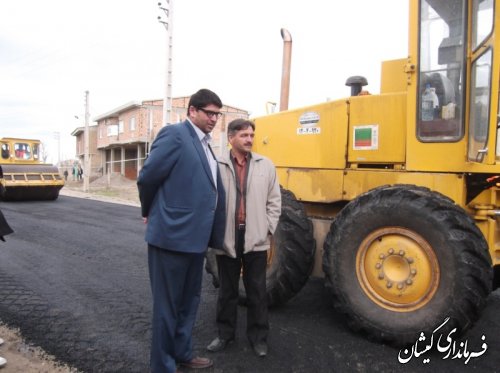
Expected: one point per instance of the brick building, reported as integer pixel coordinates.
(121, 139)
(95, 156)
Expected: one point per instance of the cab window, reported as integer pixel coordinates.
(22, 150)
(479, 116)
(442, 70)
(36, 151)
(5, 151)
(482, 21)
(480, 80)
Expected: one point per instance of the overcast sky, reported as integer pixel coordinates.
(52, 51)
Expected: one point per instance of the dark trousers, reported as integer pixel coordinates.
(254, 279)
(176, 286)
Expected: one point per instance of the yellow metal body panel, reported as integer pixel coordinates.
(309, 137)
(393, 78)
(328, 186)
(491, 230)
(382, 117)
(438, 157)
(484, 208)
(357, 182)
(312, 185)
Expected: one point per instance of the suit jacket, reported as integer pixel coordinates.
(185, 210)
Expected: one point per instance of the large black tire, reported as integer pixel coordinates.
(401, 259)
(291, 257)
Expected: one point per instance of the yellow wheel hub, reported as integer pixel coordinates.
(397, 269)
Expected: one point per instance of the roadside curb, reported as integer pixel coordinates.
(92, 196)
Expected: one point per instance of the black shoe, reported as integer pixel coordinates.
(260, 349)
(218, 344)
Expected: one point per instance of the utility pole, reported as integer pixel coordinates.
(86, 165)
(286, 69)
(57, 136)
(168, 23)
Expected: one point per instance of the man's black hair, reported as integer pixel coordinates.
(203, 98)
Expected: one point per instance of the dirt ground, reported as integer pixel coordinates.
(22, 357)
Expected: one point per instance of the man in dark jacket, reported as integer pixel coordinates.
(183, 204)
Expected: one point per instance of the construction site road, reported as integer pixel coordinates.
(74, 281)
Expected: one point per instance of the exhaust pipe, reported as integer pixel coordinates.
(285, 74)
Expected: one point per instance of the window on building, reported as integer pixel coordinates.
(112, 130)
(132, 124)
(120, 126)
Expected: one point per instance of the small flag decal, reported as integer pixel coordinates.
(365, 137)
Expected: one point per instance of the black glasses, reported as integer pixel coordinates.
(211, 114)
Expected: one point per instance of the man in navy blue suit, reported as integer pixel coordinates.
(183, 204)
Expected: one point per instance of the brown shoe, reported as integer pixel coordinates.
(198, 363)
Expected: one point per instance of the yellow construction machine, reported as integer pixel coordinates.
(25, 177)
(395, 197)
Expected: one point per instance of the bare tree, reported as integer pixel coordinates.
(44, 154)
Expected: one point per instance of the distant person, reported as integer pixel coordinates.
(80, 173)
(66, 175)
(75, 173)
(253, 208)
(19, 153)
(183, 204)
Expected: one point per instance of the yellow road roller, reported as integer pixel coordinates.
(25, 177)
